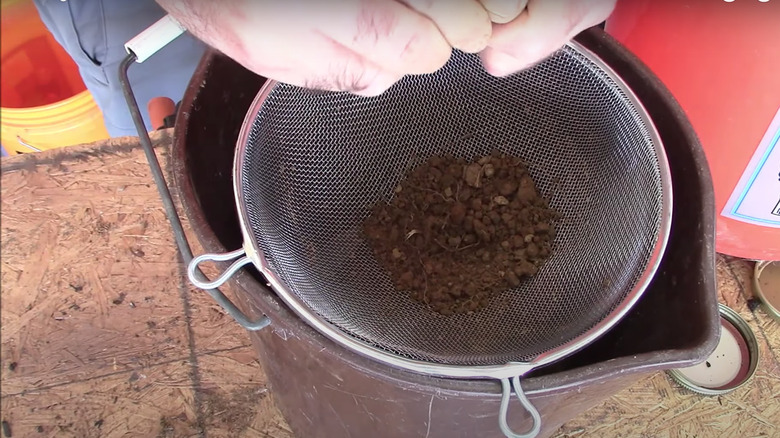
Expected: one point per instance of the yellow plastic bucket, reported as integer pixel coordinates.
(44, 103)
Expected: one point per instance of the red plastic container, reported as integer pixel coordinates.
(721, 60)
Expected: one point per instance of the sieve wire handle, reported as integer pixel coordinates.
(147, 44)
(192, 268)
(506, 394)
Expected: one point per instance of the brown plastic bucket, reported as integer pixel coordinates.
(324, 390)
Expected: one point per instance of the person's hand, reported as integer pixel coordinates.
(365, 46)
(544, 27)
(361, 46)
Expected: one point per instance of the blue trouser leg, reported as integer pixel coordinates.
(94, 32)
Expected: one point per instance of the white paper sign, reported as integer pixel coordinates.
(756, 198)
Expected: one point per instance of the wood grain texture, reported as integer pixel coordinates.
(101, 333)
(103, 337)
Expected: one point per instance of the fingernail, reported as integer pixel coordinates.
(497, 18)
(500, 64)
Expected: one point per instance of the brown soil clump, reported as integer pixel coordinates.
(457, 232)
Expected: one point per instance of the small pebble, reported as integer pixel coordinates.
(457, 212)
(489, 170)
(472, 174)
(500, 200)
(508, 187)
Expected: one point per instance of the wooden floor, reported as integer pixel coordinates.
(102, 336)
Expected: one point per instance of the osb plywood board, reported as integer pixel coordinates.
(103, 337)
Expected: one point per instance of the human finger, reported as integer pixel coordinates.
(544, 27)
(380, 83)
(336, 68)
(465, 24)
(503, 11)
(387, 33)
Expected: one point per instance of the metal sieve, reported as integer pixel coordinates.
(310, 165)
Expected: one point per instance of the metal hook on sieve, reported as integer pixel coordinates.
(507, 388)
(192, 268)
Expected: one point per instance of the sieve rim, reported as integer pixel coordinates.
(497, 371)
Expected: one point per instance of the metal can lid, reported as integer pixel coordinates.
(731, 364)
(766, 285)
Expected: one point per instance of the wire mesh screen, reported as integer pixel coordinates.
(315, 163)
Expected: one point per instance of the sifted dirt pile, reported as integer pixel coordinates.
(457, 232)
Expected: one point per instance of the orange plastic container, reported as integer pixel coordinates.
(44, 103)
(721, 60)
